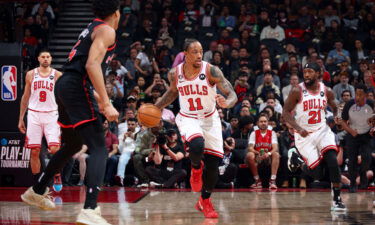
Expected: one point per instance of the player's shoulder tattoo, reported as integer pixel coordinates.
(216, 72)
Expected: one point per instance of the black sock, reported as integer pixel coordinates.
(39, 188)
(336, 193)
(206, 194)
(91, 197)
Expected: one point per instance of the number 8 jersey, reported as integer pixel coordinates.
(42, 98)
(196, 95)
(310, 110)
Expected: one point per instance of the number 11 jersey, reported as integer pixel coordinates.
(310, 110)
(196, 95)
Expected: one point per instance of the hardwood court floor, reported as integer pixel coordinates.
(167, 207)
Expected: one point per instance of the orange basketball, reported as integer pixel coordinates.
(149, 115)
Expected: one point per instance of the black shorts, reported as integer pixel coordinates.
(75, 99)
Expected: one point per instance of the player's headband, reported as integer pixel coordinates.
(313, 66)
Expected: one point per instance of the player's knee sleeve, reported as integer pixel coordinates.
(330, 158)
(196, 147)
(210, 174)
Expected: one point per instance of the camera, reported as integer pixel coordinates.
(161, 138)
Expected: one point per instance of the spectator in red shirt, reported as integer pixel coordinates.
(111, 143)
(241, 86)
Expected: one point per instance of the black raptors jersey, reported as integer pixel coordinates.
(77, 59)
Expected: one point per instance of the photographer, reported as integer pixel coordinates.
(126, 148)
(227, 169)
(168, 156)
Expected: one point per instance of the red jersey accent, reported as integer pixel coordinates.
(263, 142)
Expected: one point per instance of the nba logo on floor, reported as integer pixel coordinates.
(8, 83)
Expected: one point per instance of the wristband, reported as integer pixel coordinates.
(269, 153)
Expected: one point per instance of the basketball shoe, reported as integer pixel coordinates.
(57, 184)
(257, 184)
(338, 205)
(91, 217)
(205, 206)
(44, 201)
(196, 178)
(294, 160)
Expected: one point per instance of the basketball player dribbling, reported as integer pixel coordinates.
(79, 107)
(195, 82)
(39, 101)
(313, 137)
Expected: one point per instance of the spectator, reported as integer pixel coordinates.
(330, 16)
(111, 143)
(208, 55)
(45, 6)
(359, 53)
(225, 39)
(350, 20)
(285, 70)
(128, 22)
(168, 154)
(263, 150)
(267, 86)
(122, 73)
(227, 168)
(226, 20)
(293, 82)
(143, 153)
(346, 96)
(129, 114)
(81, 156)
(343, 85)
(338, 55)
(126, 148)
(207, 20)
(145, 62)
(271, 101)
(242, 133)
(130, 62)
(273, 31)
(241, 86)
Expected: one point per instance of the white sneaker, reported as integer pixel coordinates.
(91, 217)
(338, 206)
(155, 185)
(143, 185)
(44, 201)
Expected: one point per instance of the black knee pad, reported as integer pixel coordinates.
(196, 145)
(330, 159)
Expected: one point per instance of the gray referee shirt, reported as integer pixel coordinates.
(358, 115)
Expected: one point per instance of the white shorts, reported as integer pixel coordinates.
(209, 128)
(313, 146)
(39, 124)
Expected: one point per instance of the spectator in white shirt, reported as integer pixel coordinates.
(273, 31)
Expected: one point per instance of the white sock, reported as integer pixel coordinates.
(273, 177)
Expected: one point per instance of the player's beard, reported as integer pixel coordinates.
(309, 83)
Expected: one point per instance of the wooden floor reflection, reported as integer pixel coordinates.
(170, 207)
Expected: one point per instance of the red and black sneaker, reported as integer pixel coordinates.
(196, 178)
(205, 206)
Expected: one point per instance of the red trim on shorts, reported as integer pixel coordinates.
(194, 136)
(213, 152)
(33, 146)
(53, 144)
(196, 117)
(64, 126)
(42, 111)
(324, 150)
(83, 122)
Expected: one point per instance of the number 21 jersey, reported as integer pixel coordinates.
(310, 110)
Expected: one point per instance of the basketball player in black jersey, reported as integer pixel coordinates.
(81, 95)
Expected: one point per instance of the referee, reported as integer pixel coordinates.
(355, 117)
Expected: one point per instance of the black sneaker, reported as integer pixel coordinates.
(338, 206)
(294, 160)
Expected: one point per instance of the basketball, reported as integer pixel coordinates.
(149, 115)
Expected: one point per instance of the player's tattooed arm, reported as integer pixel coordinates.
(288, 109)
(225, 87)
(171, 94)
(331, 101)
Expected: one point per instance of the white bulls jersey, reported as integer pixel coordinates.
(196, 95)
(42, 98)
(310, 111)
